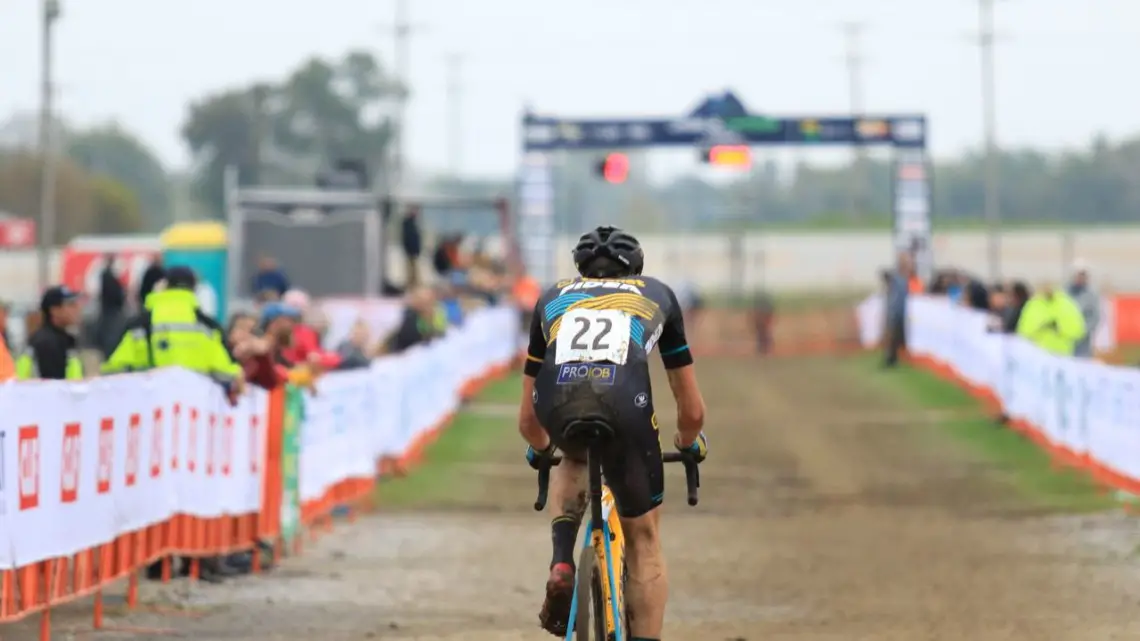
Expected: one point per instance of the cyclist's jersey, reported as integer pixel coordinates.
(611, 322)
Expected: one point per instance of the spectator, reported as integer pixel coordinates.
(446, 256)
(269, 278)
(7, 365)
(412, 240)
(154, 273)
(5, 310)
(972, 293)
(355, 352)
(172, 330)
(51, 349)
(1089, 303)
(112, 306)
(254, 353)
(1018, 296)
(763, 317)
(897, 294)
(1052, 321)
(278, 323)
(305, 346)
(422, 321)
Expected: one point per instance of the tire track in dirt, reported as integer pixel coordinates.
(823, 517)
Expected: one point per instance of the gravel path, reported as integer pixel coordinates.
(822, 518)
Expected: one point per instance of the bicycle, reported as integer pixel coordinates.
(604, 547)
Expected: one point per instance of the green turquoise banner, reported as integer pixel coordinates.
(290, 463)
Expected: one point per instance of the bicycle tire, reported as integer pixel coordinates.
(589, 583)
(587, 627)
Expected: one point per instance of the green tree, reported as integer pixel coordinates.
(284, 131)
(112, 151)
(117, 208)
(74, 198)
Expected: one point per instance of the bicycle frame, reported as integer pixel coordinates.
(605, 536)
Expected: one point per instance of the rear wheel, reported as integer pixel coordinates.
(590, 601)
(590, 621)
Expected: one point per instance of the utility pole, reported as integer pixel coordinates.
(989, 134)
(455, 114)
(402, 32)
(853, 59)
(47, 224)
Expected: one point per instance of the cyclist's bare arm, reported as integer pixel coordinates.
(678, 361)
(529, 427)
(690, 403)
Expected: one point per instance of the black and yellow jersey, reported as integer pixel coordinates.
(611, 322)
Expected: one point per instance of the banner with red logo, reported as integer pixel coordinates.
(81, 267)
(17, 233)
(82, 463)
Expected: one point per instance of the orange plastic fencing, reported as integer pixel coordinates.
(40, 587)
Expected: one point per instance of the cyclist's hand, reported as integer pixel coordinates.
(699, 449)
(536, 458)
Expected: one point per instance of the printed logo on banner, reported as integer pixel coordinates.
(28, 446)
(174, 425)
(227, 445)
(254, 443)
(156, 445)
(69, 464)
(106, 456)
(211, 443)
(131, 465)
(192, 442)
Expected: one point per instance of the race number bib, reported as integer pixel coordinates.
(589, 335)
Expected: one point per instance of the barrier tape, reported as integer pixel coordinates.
(98, 479)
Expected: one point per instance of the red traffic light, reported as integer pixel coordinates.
(730, 156)
(614, 168)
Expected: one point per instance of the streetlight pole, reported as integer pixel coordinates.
(47, 224)
(992, 201)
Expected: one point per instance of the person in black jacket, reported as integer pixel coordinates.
(154, 273)
(112, 304)
(51, 350)
(412, 240)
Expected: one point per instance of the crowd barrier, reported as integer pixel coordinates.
(102, 477)
(871, 317)
(1082, 411)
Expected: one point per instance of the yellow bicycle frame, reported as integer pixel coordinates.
(611, 592)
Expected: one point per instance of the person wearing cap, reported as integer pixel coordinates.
(51, 351)
(172, 330)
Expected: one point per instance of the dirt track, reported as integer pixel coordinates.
(823, 517)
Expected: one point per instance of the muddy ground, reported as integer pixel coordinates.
(823, 517)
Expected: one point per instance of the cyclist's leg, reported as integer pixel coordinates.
(637, 478)
(567, 506)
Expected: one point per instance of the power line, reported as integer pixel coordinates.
(455, 113)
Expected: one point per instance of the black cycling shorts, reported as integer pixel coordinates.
(631, 465)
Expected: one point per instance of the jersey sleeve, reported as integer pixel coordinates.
(536, 349)
(674, 345)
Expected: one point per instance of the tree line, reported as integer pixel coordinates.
(287, 130)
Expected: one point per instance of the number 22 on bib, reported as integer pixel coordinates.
(589, 335)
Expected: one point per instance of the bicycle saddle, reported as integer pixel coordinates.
(588, 433)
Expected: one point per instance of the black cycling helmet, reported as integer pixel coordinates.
(620, 248)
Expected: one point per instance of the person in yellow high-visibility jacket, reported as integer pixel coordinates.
(173, 331)
(1052, 320)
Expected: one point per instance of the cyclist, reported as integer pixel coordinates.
(590, 340)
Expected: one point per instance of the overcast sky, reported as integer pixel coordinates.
(1064, 67)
